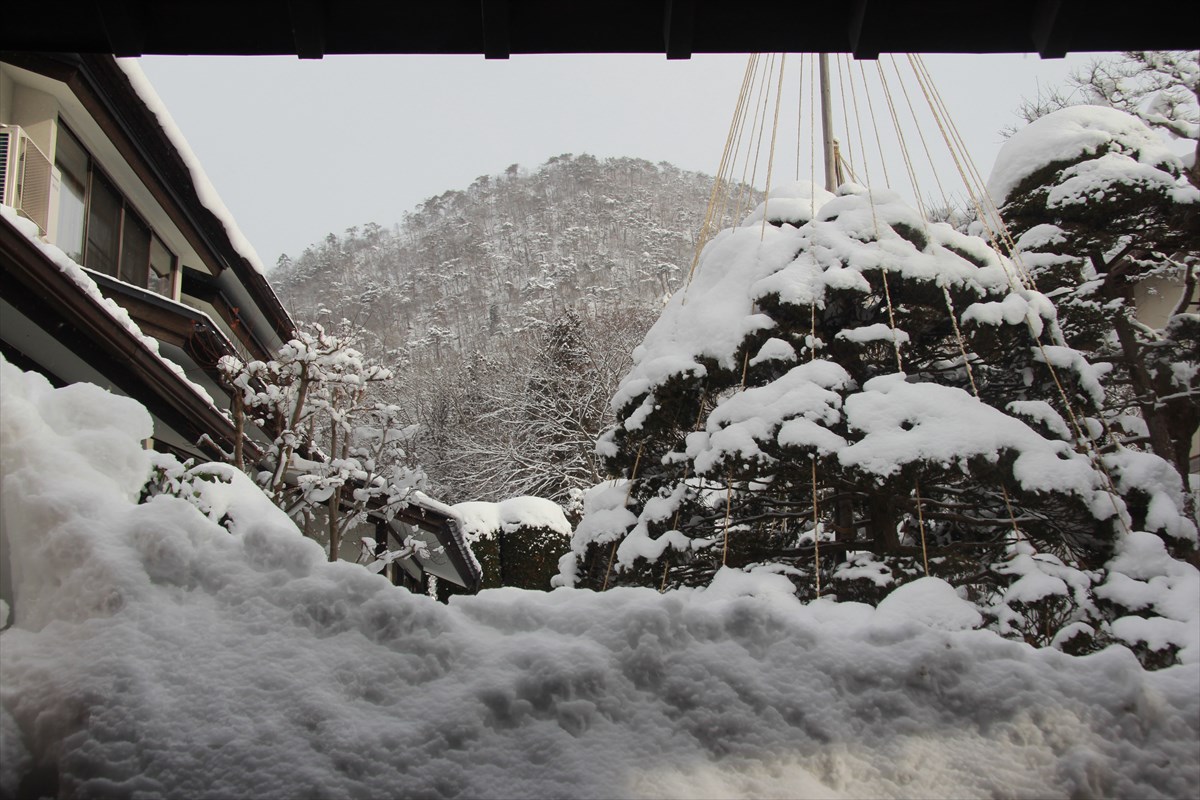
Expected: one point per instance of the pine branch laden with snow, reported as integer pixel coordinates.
(1159, 87)
(782, 353)
(1105, 219)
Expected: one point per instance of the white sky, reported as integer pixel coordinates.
(298, 149)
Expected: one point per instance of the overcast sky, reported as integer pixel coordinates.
(298, 149)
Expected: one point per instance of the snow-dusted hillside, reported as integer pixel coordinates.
(507, 253)
(155, 654)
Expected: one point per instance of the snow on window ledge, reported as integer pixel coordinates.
(79, 276)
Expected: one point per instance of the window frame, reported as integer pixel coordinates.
(126, 208)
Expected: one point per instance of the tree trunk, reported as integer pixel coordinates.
(1143, 386)
(239, 429)
(883, 523)
(335, 501)
(334, 535)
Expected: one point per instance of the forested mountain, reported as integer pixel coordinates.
(509, 310)
(510, 251)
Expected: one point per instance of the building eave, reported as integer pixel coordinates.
(32, 282)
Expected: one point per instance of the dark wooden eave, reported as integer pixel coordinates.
(31, 282)
(447, 531)
(174, 323)
(106, 93)
(677, 28)
(202, 287)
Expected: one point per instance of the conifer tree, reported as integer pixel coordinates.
(854, 396)
(1106, 221)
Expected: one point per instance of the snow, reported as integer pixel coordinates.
(800, 406)
(879, 332)
(774, 350)
(482, 520)
(863, 567)
(793, 203)
(1041, 412)
(1134, 470)
(905, 422)
(1019, 306)
(931, 602)
(156, 653)
(204, 187)
(1089, 375)
(1071, 134)
(709, 319)
(1089, 181)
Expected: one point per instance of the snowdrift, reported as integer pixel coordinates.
(154, 653)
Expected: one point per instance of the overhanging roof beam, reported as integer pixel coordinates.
(123, 25)
(865, 30)
(678, 23)
(496, 18)
(1052, 27)
(308, 27)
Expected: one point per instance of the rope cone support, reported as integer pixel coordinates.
(744, 141)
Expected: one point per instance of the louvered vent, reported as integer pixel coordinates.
(25, 175)
(5, 139)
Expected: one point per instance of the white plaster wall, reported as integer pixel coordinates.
(6, 93)
(1157, 299)
(36, 112)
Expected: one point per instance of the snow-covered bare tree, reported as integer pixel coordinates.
(525, 422)
(337, 451)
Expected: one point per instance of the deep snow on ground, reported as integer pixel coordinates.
(155, 653)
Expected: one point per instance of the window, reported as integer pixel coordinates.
(103, 226)
(72, 161)
(97, 227)
(162, 268)
(135, 250)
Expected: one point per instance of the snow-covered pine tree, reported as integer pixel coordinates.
(1104, 218)
(854, 378)
(1159, 87)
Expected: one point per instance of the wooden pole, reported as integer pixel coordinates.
(827, 126)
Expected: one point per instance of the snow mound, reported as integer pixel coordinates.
(793, 203)
(931, 602)
(482, 520)
(154, 653)
(1073, 133)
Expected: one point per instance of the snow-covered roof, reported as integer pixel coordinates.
(204, 187)
(456, 527)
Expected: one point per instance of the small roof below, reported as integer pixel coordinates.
(677, 28)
